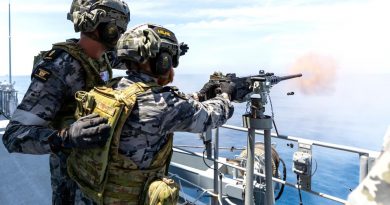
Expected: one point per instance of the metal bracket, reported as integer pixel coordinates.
(302, 166)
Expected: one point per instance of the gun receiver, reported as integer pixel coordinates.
(244, 85)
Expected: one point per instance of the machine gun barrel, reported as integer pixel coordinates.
(290, 76)
(275, 79)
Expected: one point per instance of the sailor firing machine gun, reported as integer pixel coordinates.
(261, 157)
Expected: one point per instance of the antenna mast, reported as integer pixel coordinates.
(9, 40)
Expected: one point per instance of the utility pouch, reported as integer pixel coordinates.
(163, 191)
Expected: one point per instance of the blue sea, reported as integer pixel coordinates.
(354, 112)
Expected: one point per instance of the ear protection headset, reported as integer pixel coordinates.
(166, 57)
(150, 43)
(109, 33)
(162, 63)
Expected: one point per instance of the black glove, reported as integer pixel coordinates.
(228, 88)
(183, 48)
(209, 90)
(240, 94)
(87, 132)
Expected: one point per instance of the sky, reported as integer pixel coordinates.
(226, 35)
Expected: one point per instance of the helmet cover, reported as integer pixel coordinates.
(147, 41)
(86, 15)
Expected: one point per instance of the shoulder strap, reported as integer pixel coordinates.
(113, 81)
(127, 95)
(175, 91)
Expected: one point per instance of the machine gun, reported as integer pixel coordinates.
(255, 90)
(245, 85)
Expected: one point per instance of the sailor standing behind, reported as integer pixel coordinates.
(144, 147)
(43, 122)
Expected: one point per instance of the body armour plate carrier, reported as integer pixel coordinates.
(90, 66)
(103, 174)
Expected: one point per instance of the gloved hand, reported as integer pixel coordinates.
(209, 90)
(241, 93)
(90, 131)
(228, 88)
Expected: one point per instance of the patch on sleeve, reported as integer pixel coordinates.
(42, 74)
(105, 76)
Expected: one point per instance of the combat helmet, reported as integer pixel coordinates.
(151, 42)
(109, 17)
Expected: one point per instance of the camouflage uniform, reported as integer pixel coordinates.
(31, 124)
(375, 188)
(158, 113)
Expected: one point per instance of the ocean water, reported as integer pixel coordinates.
(356, 112)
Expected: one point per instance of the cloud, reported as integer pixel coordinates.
(291, 31)
(230, 33)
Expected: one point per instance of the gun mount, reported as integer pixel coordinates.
(257, 120)
(254, 90)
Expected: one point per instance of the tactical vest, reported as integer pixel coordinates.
(92, 77)
(103, 174)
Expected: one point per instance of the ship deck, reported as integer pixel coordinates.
(24, 178)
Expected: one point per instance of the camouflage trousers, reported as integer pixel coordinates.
(63, 187)
(65, 190)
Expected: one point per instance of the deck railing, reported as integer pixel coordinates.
(366, 160)
(366, 157)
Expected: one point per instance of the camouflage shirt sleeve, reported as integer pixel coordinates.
(52, 83)
(171, 112)
(375, 188)
(190, 115)
(157, 114)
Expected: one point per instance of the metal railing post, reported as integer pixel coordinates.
(363, 171)
(216, 178)
(249, 167)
